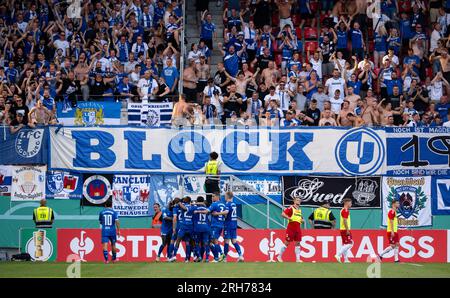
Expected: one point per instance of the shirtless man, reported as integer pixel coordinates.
(339, 9)
(39, 114)
(342, 119)
(368, 114)
(327, 119)
(284, 8)
(270, 75)
(190, 82)
(355, 121)
(352, 98)
(180, 112)
(203, 73)
(369, 97)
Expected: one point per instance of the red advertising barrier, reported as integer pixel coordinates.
(141, 245)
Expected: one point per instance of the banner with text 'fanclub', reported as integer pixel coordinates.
(131, 195)
(28, 183)
(414, 195)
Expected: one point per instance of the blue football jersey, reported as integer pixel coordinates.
(187, 216)
(231, 219)
(217, 220)
(107, 220)
(201, 221)
(166, 226)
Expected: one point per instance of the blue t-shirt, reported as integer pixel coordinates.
(390, 84)
(166, 226)
(231, 62)
(107, 218)
(411, 59)
(356, 36)
(442, 109)
(187, 217)
(405, 29)
(342, 37)
(170, 74)
(217, 221)
(356, 86)
(207, 30)
(48, 102)
(380, 42)
(177, 212)
(201, 221)
(231, 219)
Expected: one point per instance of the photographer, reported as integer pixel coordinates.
(419, 95)
(232, 102)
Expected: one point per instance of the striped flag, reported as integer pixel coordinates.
(150, 114)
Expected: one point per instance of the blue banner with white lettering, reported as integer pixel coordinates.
(290, 151)
(440, 195)
(63, 185)
(26, 146)
(89, 113)
(418, 151)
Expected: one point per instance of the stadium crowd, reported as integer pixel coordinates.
(321, 63)
(71, 51)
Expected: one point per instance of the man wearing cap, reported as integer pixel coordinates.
(322, 217)
(17, 123)
(43, 216)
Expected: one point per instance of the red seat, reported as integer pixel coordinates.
(311, 46)
(278, 59)
(371, 46)
(298, 32)
(404, 6)
(314, 6)
(311, 33)
(429, 72)
(275, 47)
(296, 20)
(275, 19)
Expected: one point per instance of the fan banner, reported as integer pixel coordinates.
(97, 189)
(414, 195)
(365, 192)
(5, 180)
(64, 185)
(278, 151)
(130, 195)
(261, 245)
(28, 183)
(418, 151)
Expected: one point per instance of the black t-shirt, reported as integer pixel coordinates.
(419, 104)
(263, 61)
(327, 50)
(161, 89)
(314, 114)
(70, 88)
(219, 79)
(232, 104)
(98, 88)
(24, 109)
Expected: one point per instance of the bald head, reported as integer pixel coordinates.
(43, 202)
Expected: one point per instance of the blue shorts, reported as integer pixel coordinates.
(185, 234)
(230, 233)
(216, 232)
(109, 238)
(201, 237)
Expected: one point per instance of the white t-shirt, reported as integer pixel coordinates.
(317, 66)
(269, 97)
(336, 104)
(446, 124)
(393, 60)
(436, 90)
(147, 86)
(62, 44)
(335, 84)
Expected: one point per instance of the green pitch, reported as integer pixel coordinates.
(223, 270)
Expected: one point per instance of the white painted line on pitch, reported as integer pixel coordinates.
(412, 264)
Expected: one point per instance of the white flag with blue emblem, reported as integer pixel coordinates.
(150, 114)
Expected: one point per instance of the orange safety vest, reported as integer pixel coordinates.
(156, 219)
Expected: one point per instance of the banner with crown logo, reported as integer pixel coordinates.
(314, 191)
(131, 195)
(28, 183)
(90, 113)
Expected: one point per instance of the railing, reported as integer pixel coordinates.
(183, 49)
(238, 186)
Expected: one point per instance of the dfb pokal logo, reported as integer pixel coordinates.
(271, 246)
(360, 152)
(28, 142)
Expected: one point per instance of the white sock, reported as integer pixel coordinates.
(282, 250)
(341, 250)
(396, 253)
(346, 249)
(297, 253)
(388, 249)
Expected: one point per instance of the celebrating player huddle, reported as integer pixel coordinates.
(200, 228)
